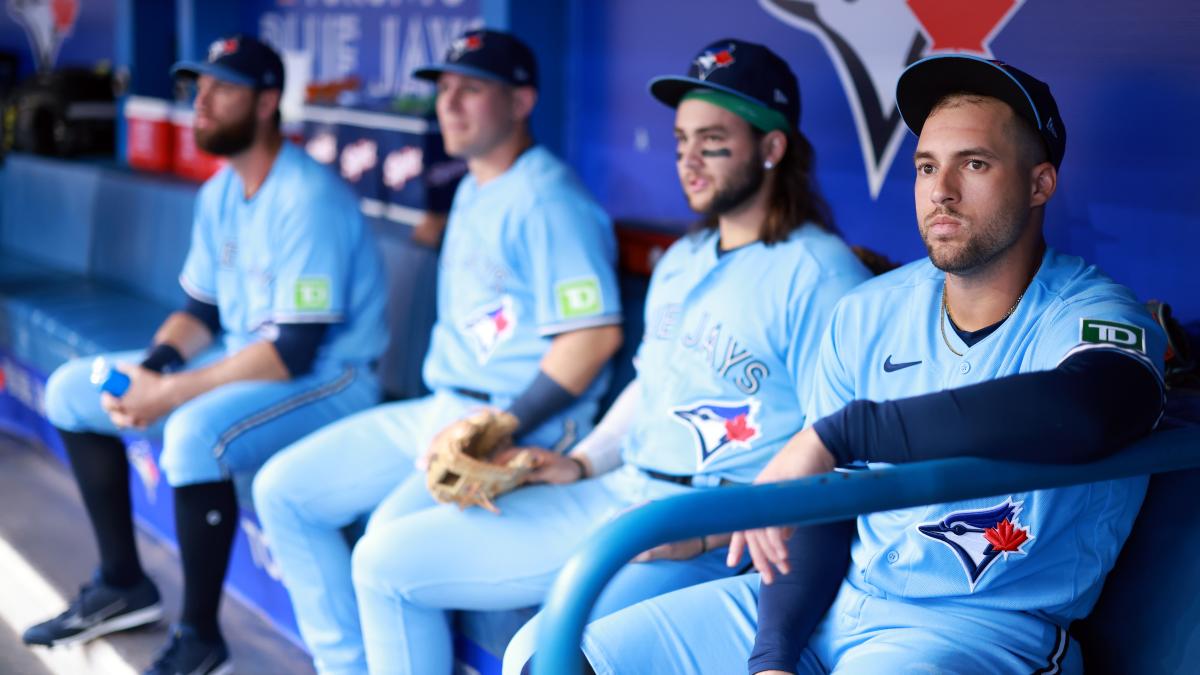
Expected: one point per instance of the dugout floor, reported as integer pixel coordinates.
(46, 551)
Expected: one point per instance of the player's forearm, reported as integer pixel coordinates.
(790, 609)
(187, 334)
(575, 358)
(1091, 405)
(600, 451)
(259, 361)
(568, 368)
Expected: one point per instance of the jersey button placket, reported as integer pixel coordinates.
(964, 367)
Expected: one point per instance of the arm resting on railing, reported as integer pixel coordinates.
(819, 499)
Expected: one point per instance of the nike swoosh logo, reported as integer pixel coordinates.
(79, 621)
(889, 367)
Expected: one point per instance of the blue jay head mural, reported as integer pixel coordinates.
(870, 44)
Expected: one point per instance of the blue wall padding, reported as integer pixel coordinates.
(90, 256)
(47, 209)
(141, 232)
(126, 229)
(412, 308)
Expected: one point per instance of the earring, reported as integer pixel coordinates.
(768, 165)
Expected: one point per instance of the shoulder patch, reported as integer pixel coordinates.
(312, 293)
(1114, 333)
(578, 297)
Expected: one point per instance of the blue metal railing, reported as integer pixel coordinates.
(818, 499)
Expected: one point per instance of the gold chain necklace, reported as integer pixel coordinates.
(946, 313)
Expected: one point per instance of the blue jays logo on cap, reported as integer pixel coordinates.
(719, 425)
(464, 44)
(490, 326)
(222, 47)
(978, 537)
(712, 59)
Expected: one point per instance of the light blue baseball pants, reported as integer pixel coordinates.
(361, 465)
(408, 570)
(709, 630)
(231, 429)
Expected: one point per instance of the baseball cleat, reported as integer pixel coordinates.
(98, 610)
(187, 654)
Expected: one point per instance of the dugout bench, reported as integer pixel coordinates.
(1147, 620)
(90, 254)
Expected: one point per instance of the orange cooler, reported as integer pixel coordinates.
(149, 141)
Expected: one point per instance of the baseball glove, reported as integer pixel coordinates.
(459, 472)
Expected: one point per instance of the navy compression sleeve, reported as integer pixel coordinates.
(297, 345)
(205, 313)
(1092, 404)
(790, 609)
(540, 401)
(163, 357)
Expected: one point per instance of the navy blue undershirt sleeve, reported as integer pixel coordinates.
(297, 345)
(165, 358)
(205, 313)
(1091, 405)
(790, 609)
(540, 401)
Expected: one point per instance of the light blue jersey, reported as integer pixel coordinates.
(1044, 552)
(527, 255)
(296, 252)
(728, 355)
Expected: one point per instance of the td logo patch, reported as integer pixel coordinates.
(1110, 332)
(312, 293)
(578, 297)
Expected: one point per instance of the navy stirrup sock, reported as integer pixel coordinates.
(102, 474)
(206, 517)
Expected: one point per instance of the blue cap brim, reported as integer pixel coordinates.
(670, 89)
(431, 73)
(198, 68)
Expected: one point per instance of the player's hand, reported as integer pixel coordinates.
(804, 455)
(549, 466)
(683, 550)
(425, 457)
(147, 399)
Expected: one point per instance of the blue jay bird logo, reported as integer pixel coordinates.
(871, 43)
(980, 536)
(711, 60)
(47, 24)
(719, 425)
(491, 325)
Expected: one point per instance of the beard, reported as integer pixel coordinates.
(983, 245)
(228, 139)
(744, 181)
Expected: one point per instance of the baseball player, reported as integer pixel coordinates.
(733, 314)
(283, 321)
(528, 317)
(995, 346)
